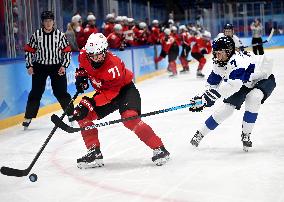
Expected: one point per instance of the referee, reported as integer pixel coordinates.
(48, 53)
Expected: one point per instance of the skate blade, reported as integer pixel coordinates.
(97, 163)
(26, 128)
(246, 149)
(162, 161)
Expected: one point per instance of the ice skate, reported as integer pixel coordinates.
(92, 159)
(200, 74)
(246, 142)
(184, 71)
(172, 75)
(26, 123)
(196, 139)
(160, 156)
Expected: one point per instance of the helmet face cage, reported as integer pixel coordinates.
(47, 15)
(96, 47)
(223, 44)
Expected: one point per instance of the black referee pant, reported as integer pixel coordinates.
(257, 50)
(58, 84)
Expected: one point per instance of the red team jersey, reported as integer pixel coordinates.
(115, 40)
(200, 45)
(108, 79)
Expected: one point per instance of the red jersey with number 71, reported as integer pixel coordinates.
(108, 79)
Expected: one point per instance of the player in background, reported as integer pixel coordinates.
(170, 48)
(229, 31)
(90, 27)
(236, 78)
(115, 90)
(108, 25)
(116, 38)
(155, 33)
(186, 40)
(141, 35)
(201, 47)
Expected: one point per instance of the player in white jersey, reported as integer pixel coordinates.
(229, 31)
(237, 78)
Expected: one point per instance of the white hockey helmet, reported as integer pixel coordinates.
(130, 20)
(117, 27)
(91, 17)
(167, 31)
(182, 28)
(76, 18)
(142, 25)
(96, 44)
(174, 28)
(155, 22)
(118, 19)
(109, 16)
(206, 35)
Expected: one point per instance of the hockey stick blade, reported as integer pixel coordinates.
(59, 123)
(14, 172)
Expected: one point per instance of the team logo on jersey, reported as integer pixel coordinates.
(98, 84)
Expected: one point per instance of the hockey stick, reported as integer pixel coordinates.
(20, 173)
(265, 41)
(59, 123)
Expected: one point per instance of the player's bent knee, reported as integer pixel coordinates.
(131, 124)
(255, 96)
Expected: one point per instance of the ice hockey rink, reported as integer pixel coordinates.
(217, 171)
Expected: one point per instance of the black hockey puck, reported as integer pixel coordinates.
(33, 177)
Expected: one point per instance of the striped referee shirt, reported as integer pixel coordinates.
(48, 48)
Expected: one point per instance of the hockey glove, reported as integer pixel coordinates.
(210, 96)
(198, 104)
(81, 83)
(85, 106)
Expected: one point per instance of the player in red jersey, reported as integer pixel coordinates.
(170, 48)
(116, 38)
(201, 47)
(155, 33)
(109, 24)
(114, 90)
(90, 27)
(186, 40)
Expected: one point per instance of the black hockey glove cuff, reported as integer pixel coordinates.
(210, 96)
(85, 106)
(81, 84)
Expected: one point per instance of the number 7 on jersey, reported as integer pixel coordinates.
(114, 72)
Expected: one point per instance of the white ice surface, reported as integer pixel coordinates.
(217, 171)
